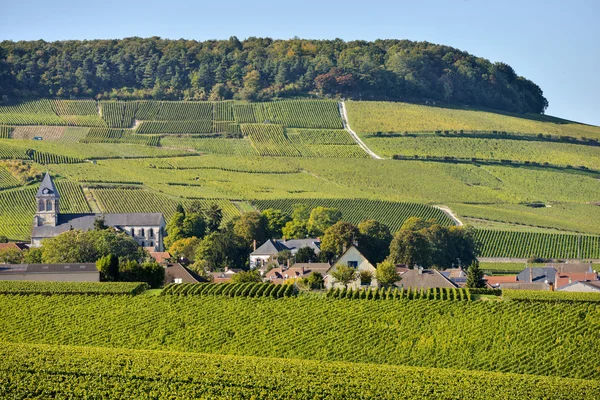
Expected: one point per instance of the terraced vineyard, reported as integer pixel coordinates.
(17, 208)
(547, 245)
(391, 214)
(7, 180)
(501, 336)
(139, 200)
(236, 147)
(50, 112)
(291, 114)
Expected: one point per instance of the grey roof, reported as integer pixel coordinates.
(570, 268)
(272, 247)
(595, 285)
(48, 268)
(540, 274)
(428, 278)
(47, 183)
(524, 285)
(85, 222)
(313, 267)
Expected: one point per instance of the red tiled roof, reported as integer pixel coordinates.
(565, 278)
(160, 256)
(11, 246)
(496, 280)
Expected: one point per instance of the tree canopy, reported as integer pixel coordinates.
(260, 69)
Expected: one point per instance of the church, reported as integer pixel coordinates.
(148, 229)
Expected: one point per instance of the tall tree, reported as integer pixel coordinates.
(374, 240)
(344, 274)
(386, 273)
(475, 276)
(322, 218)
(337, 238)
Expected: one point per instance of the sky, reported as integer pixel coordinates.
(554, 43)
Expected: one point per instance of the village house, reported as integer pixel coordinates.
(224, 276)
(354, 259)
(425, 278)
(582, 286)
(296, 271)
(148, 229)
(177, 273)
(268, 251)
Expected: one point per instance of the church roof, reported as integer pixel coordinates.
(85, 222)
(47, 187)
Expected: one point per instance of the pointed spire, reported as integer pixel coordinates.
(47, 188)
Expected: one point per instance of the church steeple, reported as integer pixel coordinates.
(47, 202)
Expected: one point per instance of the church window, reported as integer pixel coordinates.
(41, 205)
(142, 232)
(143, 244)
(151, 233)
(48, 205)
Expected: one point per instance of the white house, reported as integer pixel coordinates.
(268, 250)
(352, 258)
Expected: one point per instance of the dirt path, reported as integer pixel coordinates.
(91, 201)
(362, 144)
(451, 214)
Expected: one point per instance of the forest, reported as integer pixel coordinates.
(262, 69)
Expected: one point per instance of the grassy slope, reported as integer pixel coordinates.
(372, 117)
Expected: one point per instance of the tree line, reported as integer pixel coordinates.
(262, 69)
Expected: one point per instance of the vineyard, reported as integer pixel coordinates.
(139, 200)
(34, 370)
(76, 288)
(547, 245)
(249, 289)
(392, 214)
(386, 117)
(17, 208)
(501, 336)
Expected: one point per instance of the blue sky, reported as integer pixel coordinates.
(554, 43)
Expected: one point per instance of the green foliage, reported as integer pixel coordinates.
(344, 274)
(185, 247)
(248, 284)
(276, 220)
(306, 255)
(54, 288)
(150, 272)
(392, 214)
(251, 226)
(386, 273)
(222, 250)
(246, 276)
(374, 241)
(337, 238)
(320, 219)
(108, 267)
(11, 256)
(475, 276)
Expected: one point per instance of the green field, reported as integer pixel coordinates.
(499, 336)
(387, 117)
(296, 149)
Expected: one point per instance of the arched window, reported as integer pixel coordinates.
(151, 233)
(132, 232)
(41, 206)
(143, 244)
(142, 232)
(48, 205)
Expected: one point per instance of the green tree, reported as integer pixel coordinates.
(366, 277)
(306, 255)
(100, 224)
(475, 276)
(3, 239)
(69, 247)
(251, 226)
(33, 255)
(344, 274)
(295, 229)
(108, 267)
(314, 281)
(276, 220)
(300, 212)
(322, 218)
(411, 248)
(185, 247)
(337, 238)
(11, 256)
(193, 225)
(221, 250)
(150, 272)
(246, 276)
(374, 241)
(214, 216)
(386, 273)
(174, 229)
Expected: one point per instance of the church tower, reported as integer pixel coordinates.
(47, 207)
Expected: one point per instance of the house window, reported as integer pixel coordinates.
(178, 280)
(353, 264)
(48, 205)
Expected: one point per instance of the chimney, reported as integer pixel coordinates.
(254, 244)
(343, 248)
(283, 239)
(570, 280)
(530, 275)
(288, 263)
(302, 270)
(420, 270)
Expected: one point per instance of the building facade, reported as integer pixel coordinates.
(147, 229)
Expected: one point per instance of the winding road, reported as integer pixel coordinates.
(362, 144)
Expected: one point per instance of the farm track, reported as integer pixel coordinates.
(344, 115)
(451, 214)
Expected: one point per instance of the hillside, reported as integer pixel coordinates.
(528, 183)
(261, 69)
